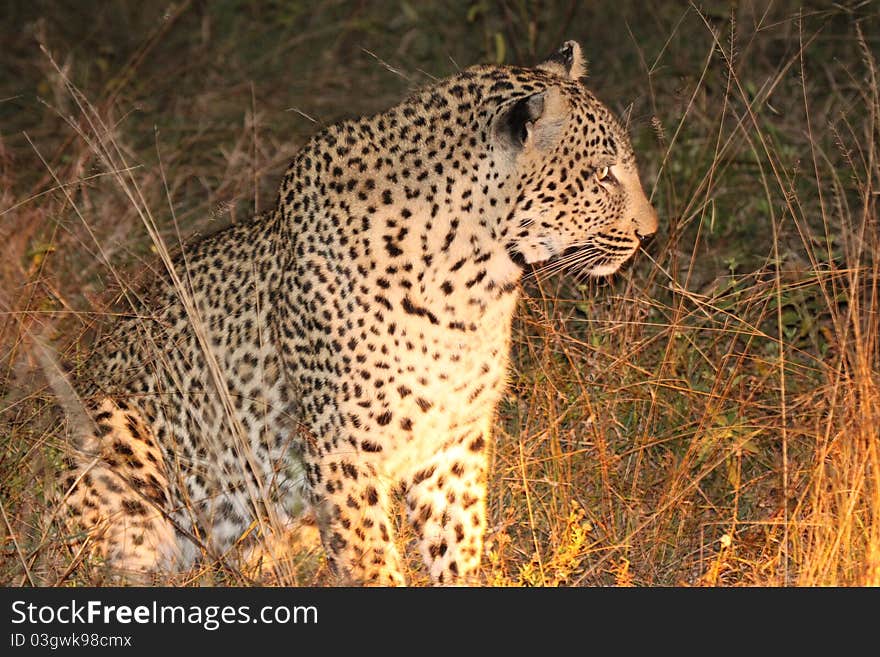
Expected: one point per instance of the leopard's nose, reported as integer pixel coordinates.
(645, 238)
(646, 222)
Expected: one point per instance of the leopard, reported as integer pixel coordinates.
(350, 346)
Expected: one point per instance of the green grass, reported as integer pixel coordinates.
(707, 417)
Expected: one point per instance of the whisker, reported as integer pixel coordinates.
(579, 259)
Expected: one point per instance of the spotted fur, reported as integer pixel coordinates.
(353, 342)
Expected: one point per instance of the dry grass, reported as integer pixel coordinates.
(708, 417)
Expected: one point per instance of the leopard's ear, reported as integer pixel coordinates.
(568, 61)
(532, 122)
(517, 123)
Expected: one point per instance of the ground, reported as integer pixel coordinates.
(707, 417)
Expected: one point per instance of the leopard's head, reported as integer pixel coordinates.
(579, 200)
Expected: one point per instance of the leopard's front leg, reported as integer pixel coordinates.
(352, 509)
(446, 503)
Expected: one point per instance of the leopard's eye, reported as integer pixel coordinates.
(602, 173)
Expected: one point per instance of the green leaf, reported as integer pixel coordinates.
(475, 11)
(500, 48)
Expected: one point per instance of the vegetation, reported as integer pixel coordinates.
(711, 416)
